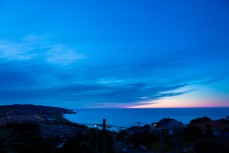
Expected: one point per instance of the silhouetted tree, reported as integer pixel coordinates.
(201, 120)
(23, 138)
(192, 132)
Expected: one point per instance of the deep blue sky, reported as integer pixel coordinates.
(115, 53)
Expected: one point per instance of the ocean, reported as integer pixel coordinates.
(132, 117)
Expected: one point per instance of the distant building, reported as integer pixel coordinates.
(214, 128)
(170, 126)
(168, 122)
(135, 130)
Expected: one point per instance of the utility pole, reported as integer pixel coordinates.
(161, 143)
(104, 136)
(97, 145)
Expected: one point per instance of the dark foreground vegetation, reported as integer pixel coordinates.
(46, 131)
(28, 138)
(23, 138)
(202, 135)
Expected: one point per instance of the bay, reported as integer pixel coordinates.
(133, 117)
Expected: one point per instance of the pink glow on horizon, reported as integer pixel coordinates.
(183, 106)
(203, 97)
(183, 103)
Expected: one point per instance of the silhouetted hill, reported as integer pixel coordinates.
(24, 108)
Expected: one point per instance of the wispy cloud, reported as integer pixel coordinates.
(38, 47)
(63, 55)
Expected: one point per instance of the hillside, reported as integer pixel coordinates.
(20, 108)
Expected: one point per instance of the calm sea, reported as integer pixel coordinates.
(132, 117)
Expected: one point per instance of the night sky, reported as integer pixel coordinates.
(114, 53)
